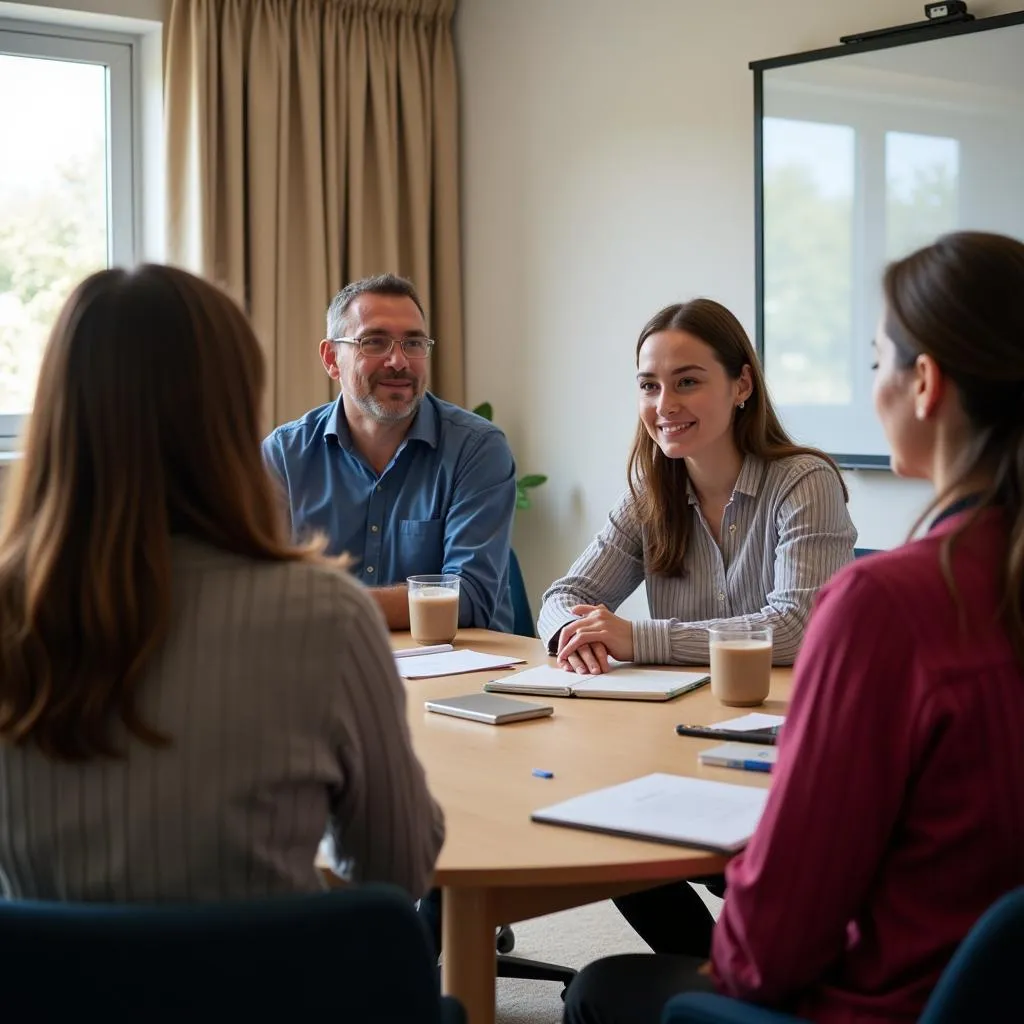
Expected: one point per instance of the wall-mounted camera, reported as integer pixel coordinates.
(944, 13)
(944, 10)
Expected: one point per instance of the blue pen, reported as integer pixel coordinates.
(540, 773)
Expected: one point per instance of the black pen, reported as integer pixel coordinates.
(768, 737)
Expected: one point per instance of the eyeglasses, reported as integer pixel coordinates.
(376, 345)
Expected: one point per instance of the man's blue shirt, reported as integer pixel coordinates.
(444, 503)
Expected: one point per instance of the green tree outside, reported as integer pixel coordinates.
(52, 234)
(809, 251)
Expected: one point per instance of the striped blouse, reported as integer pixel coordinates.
(785, 531)
(287, 721)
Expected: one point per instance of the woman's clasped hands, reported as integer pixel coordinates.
(586, 644)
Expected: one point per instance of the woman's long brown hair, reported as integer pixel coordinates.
(658, 484)
(145, 423)
(961, 301)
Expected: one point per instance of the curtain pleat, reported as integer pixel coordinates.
(310, 143)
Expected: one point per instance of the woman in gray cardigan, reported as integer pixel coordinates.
(189, 702)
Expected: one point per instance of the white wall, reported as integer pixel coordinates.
(88, 13)
(607, 170)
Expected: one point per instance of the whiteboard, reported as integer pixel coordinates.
(863, 154)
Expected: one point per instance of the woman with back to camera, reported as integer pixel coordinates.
(896, 814)
(188, 701)
(725, 520)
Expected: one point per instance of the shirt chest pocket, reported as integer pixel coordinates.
(420, 546)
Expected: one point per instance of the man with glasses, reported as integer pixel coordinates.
(402, 481)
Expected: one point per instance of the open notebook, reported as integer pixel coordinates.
(715, 816)
(624, 682)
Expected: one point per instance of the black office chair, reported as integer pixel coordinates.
(358, 955)
(514, 966)
(522, 617)
(861, 552)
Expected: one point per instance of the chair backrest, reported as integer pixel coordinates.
(357, 956)
(980, 983)
(522, 617)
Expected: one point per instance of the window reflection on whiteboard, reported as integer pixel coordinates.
(922, 185)
(809, 176)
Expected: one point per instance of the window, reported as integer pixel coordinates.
(68, 186)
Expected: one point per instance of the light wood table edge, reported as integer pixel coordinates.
(628, 874)
(691, 866)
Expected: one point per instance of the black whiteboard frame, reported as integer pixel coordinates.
(846, 460)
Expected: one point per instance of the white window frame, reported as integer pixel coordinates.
(120, 55)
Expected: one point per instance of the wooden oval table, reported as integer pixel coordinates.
(497, 866)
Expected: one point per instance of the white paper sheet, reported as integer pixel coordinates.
(451, 663)
(755, 720)
(669, 808)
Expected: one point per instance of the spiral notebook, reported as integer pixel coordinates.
(624, 682)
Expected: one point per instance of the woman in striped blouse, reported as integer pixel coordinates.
(188, 701)
(725, 518)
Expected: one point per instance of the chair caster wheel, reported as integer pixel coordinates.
(506, 940)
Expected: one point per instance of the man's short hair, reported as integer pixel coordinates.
(382, 284)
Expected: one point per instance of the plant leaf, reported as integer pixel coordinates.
(522, 501)
(532, 480)
(484, 409)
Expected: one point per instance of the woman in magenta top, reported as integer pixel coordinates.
(896, 815)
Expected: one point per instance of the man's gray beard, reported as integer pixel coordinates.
(375, 409)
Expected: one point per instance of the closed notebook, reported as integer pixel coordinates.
(624, 682)
(747, 756)
(676, 809)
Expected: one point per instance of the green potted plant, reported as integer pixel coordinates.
(525, 483)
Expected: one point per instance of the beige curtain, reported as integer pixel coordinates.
(310, 143)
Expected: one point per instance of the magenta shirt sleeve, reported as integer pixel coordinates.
(844, 762)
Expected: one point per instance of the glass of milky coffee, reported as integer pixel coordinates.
(433, 608)
(741, 664)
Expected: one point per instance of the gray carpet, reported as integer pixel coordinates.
(572, 938)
